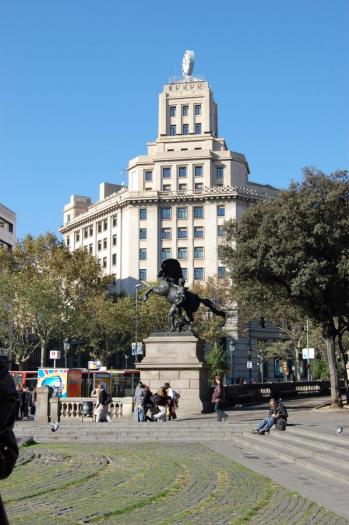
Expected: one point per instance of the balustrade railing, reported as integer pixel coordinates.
(71, 409)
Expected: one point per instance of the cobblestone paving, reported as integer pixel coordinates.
(148, 484)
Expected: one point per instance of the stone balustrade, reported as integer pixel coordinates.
(70, 408)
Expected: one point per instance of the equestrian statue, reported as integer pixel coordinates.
(184, 303)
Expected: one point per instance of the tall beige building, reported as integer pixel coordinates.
(178, 197)
(7, 228)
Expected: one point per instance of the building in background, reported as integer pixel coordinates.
(178, 197)
(7, 228)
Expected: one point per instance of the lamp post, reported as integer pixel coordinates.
(250, 368)
(126, 361)
(66, 348)
(232, 348)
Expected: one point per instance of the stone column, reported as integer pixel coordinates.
(42, 407)
(176, 358)
(54, 409)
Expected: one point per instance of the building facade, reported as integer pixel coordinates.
(178, 197)
(7, 228)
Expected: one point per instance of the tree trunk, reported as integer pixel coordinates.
(42, 354)
(297, 362)
(343, 359)
(336, 397)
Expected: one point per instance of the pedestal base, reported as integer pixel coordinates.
(175, 358)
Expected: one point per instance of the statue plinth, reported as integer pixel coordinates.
(176, 358)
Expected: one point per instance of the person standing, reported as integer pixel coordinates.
(139, 399)
(173, 394)
(148, 404)
(101, 403)
(8, 444)
(218, 400)
(162, 401)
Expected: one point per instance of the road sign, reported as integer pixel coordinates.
(310, 351)
(93, 365)
(55, 354)
(249, 364)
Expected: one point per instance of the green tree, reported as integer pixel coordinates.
(217, 361)
(297, 246)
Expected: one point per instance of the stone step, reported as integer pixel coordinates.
(269, 446)
(340, 441)
(289, 439)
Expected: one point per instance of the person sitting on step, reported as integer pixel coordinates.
(277, 411)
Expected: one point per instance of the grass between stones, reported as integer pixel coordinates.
(148, 484)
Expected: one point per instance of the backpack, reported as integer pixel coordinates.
(280, 424)
(108, 399)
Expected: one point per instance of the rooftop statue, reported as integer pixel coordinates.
(188, 63)
(184, 303)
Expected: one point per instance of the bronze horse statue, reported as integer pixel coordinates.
(184, 303)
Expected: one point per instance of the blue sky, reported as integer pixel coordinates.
(80, 81)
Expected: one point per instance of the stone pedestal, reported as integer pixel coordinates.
(42, 407)
(176, 358)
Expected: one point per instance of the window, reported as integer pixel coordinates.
(113, 259)
(77, 236)
(90, 248)
(142, 233)
(99, 227)
(198, 252)
(220, 231)
(104, 262)
(85, 233)
(99, 246)
(199, 186)
(113, 278)
(98, 260)
(166, 233)
(182, 187)
(165, 214)
(105, 224)
(197, 171)
(198, 129)
(142, 275)
(182, 171)
(165, 253)
(185, 273)
(182, 213)
(221, 272)
(166, 173)
(220, 211)
(143, 214)
(198, 212)
(86, 248)
(198, 274)
(172, 111)
(198, 232)
(148, 175)
(143, 254)
(91, 231)
(166, 187)
(182, 233)
(185, 111)
(185, 129)
(105, 243)
(68, 240)
(219, 172)
(173, 130)
(182, 253)
(115, 239)
(197, 109)
(115, 220)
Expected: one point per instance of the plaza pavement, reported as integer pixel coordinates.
(309, 458)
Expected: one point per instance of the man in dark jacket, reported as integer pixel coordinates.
(8, 444)
(277, 411)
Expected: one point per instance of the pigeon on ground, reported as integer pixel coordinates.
(54, 426)
(339, 430)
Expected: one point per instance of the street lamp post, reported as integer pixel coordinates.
(126, 361)
(137, 286)
(66, 348)
(232, 348)
(250, 369)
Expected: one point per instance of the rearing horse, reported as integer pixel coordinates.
(172, 288)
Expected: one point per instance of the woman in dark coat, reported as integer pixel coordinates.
(218, 400)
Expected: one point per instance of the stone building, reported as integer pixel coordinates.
(7, 228)
(178, 197)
